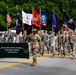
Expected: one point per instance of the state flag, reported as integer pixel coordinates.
(18, 23)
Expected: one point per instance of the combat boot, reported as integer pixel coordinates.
(73, 57)
(53, 55)
(70, 50)
(63, 56)
(42, 53)
(31, 54)
(34, 63)
(48, 51)
(69, 54)
(57, 53)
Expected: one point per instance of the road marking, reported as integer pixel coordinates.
(13, 64)
(19, 62)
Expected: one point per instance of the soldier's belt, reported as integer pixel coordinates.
(35, 42)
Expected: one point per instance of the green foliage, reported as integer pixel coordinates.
(45, 5)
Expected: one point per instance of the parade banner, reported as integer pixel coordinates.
(14, 50)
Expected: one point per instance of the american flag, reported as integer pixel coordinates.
(9, 20)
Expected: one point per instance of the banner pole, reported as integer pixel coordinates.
(32, 19)
(7, 26)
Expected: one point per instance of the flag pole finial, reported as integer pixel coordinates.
(16, 6)
(7, 6)
(63, 10)
(53, 10)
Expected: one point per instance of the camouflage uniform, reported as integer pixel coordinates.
(25, 36)
(70, 38)
(35, 43)
(53, 41)
(45, 42)
(59, 43)
(9, 36)
(50, 43)
(63, 48)
(74, 46)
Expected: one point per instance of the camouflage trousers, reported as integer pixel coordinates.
(54, 49)
(74, 49)
(63, 49)
(35, 49)
(45, 44)
(70, 47)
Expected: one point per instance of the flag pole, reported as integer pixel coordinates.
(22, 26)
(52, 24)
(7, 23)
(40, 20)
(32, 27)
(32, 18)
(8, 19)
(7, 26)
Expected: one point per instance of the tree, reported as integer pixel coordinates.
(27, 5)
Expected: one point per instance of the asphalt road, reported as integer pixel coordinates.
(46, 66)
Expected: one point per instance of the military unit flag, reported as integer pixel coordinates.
(39, 20)
(43, 18)
(36, 19)
(26, 18)
(68, 21)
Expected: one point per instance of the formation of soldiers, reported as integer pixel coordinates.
(63, 44)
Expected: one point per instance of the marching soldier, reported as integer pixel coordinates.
(25, 36)
(59, 42)
(65, 40)
(50, 43)
(70, 39)
(35, 41)
(19, 38)
(53, 41)
(2, 39)
(63, 45)
(9, 36)
(45, 42)
(74, 45)
(40, 34)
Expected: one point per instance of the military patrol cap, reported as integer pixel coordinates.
(34, 30)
